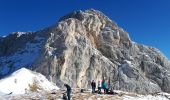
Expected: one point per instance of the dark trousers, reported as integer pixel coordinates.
(93, 89)
(99, 90)
(104, 90)
(68, 95)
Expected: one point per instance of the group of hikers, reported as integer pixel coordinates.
(101, 85)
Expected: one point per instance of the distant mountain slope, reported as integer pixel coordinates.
(83, 46)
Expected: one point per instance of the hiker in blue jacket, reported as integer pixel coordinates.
(105, 86)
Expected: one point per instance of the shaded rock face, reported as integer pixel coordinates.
(11, 43)
(87, 45)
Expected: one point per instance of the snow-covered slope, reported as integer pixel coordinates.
(19, 81)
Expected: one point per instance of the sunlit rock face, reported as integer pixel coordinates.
(85, 46)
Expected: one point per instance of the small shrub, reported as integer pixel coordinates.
(34, 86)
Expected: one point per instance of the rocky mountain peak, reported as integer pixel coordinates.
(93, 23)
(87, 45)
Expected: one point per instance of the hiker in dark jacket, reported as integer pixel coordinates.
(93, 85)
(68, 91)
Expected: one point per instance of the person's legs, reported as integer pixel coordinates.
(107, 90)
(104, 91)
(68, 94)
(99, 90)
(93, 90)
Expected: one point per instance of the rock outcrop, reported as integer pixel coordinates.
(87, 45)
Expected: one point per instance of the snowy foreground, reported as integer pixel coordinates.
(27, 85)
(57, 95)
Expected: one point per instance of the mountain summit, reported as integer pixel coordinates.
(84, 46)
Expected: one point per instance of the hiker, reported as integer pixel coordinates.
(93, 85)
(105, 86)
(68, 91)
(64, 96)
(99, 87)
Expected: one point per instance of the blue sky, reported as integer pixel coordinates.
(146, 21)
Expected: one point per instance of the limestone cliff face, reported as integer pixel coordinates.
(87, 45)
